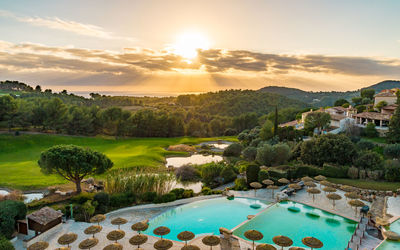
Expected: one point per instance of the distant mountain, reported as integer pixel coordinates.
(325, 98)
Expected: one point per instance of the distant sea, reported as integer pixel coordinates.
(133, 93)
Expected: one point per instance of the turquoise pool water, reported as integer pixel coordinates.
(388, 245)
(205, 216)
(298, 221)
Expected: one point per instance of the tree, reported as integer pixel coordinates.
(392, 170)
(319, 120)
(370, 130)
(380, 105)
(233, 150)
(392, 151)
(250, 153)
(368, 93)
(369, 160)
(265, 155)
(276, 121)
(73, 163)
(393, 135)
(340, 102)
(38, 88)
(266, 132)
(8, 106)
(356, 100)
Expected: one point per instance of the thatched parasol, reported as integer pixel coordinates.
(255, 185)
(138, 240)
(211, 240)
(273, 188)
(113, 246)
(94, 229)
(295, 186)
(161, 231)
(40, 245)
(63, 248)
(116, 235)
(265, 247)
(352, 195)
(282, 241)
(347, 188)
(382, 221)
(283, 181)
(88, 243)
(329, 189)
(118, 221)
(319, 178)
(392, 235)
(163, 244)
(268, 182)
(325, 183)
(296, 248)
(307, 179)
(313, 191)
(312, 242)
(253, 235)
(356, 204)
(310, 184)
(67, 239)
(334, 197)
(98, 218)
(190, 247)
(185, 236)
(140, 226)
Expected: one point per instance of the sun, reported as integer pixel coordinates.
(188, 43)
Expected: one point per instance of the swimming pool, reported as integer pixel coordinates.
(205, 216)
(388, 244)
(297, 221)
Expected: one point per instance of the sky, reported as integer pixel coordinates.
(181, 46)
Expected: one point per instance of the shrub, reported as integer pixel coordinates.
(10, 211)
(362, 174)
(375, 174)
(187, 173)
(392, 170)
(122, 199)
(206, 190)
(230, 132)
(265, 155)
(330, 170)
(187, 193)
(299, 171)
(228, 174)
(370, 130)
(102, 199)
(252, 173)
(263, 175)
(149, 196)
(5, 244)
(233, 150)
(211, 172)
(82, 198)
(250, 153)
(352, 173)
(165, 198)
(240, 184)
(392, 151)
(365, 145)
(281, 153)
(178, 192)
(369, 160)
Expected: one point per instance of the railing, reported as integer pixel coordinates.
(354, 241)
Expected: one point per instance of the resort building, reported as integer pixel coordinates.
(387, 95)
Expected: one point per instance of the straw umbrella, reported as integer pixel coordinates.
(313, 191)
(325, 183)
(295, 186)
(352, 195)
(63, 248)
(268, 182)
(319, 178)
(255, 185)
(283, 181)
(265, 247)
(211, 240)
(296, 248)
(273, 188)
(334, 197)
(161, 231)
(138, 240)
(253, 235)
(98, 218)
(329, 189)
(190, 247)
(185, 236)
(40, 245)
(392, 235)
(94, 229)
(312, 242)
(119, 221)
(310, 184)
(307, 179)
(347, 188)
(67, 239)
(140, 226)
(113, 246)
(116, 235)
(382, 221)
(282, 241)
(88, 243)
(163, 244)
(356, 204)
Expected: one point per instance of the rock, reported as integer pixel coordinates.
(249, 217)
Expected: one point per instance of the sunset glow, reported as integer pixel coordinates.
(188, 43)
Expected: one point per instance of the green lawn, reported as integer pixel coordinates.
(19, 155)
(381, 140)
(376, 185)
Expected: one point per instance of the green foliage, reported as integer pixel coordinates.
(82, 198)
(298, 171)
(368, 93)
(319, 120)
(5, 244)
(252, 173)
(210, 173)
(369, 160)
(380, 105)
(340, 102)
(169, 197)
(102, 199)
(281, 153)
(356, 100)
(334, 171)
(206, 191)
(187, 173)
(392, 151)
(149, 196)
(234, 149)
(392, 170)
(73, 163)
(178, 192)
(370, 130)
(118, 200)
(365, 145)
(393, 136)
(88, 209)
(228, 174)
(353, 173)
(267, 132)
(262, 175)
(250, 153)
(265, 155)
(10, 211)
(240, 184)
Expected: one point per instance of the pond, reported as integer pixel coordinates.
(28, 197)
(216, 146)
(195, 159)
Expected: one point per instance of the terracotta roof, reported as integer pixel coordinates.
(390, 107)
(288, 124)
(337, 117)
(44, 215)
(373, 116)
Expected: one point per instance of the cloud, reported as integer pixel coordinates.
(224, 68)
(65, 25)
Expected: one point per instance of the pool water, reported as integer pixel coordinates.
(196, 159)
(388, 244)
(205, 217)
(298, 221)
